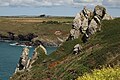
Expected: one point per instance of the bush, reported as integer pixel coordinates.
(103, 74)
(51, 22)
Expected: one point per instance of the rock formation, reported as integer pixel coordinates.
(23, 61)
(107, 17)
(35, 55)
(11, 35)
(77, 49)
(87, 22)
(80, 23)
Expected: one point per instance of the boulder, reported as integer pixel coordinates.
(77, 49)
(57, 33)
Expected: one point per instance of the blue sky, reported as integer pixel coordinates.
(54, 7)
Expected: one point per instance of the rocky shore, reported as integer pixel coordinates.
(27, 40)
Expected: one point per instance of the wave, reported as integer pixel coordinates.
(17, 44)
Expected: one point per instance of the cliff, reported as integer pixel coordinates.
(101, 49)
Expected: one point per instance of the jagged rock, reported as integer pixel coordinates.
(99, 11)
(35, 54)
(95, 23)
(11, 35)
(107, 17)
(80, 23)
(74, 33)
(87, 22)
(27, 37)
(23, 61)
(84, 25)
(43, 48)
(77, 49)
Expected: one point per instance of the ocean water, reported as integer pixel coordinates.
(9, 57)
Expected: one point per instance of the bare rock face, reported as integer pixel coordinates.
(95, 23)
(35, 55)
(23, 61)
(107, 17)
(87, 22)
(80, 23)
(77, 49)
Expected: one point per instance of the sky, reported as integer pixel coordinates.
(54, 7)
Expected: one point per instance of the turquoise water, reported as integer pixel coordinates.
(9, 57)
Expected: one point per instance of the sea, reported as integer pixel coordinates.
(9, 57)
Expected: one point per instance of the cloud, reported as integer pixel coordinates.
(111, 3)
(38, 3)
(34, 2)
(87, 2)
(83, 1)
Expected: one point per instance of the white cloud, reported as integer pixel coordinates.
(34, 3)
(83, 1)
(87, 2)
(111, 3)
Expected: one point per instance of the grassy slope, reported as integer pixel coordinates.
(103, 48)
(45, 31)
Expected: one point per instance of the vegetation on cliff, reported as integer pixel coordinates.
(103, 74)
(102, 49)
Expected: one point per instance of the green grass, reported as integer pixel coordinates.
(45, 31)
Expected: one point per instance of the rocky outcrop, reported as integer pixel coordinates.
(77, 49)
(23, 61)
(87, 22)
(80, 23)
(107, 17)
(11, 35)
(19, 37)
(35, 55)
(27, 37)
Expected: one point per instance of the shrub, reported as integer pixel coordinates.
(103, 74)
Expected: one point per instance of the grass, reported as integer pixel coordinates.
(102, 49)
(45, 31)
